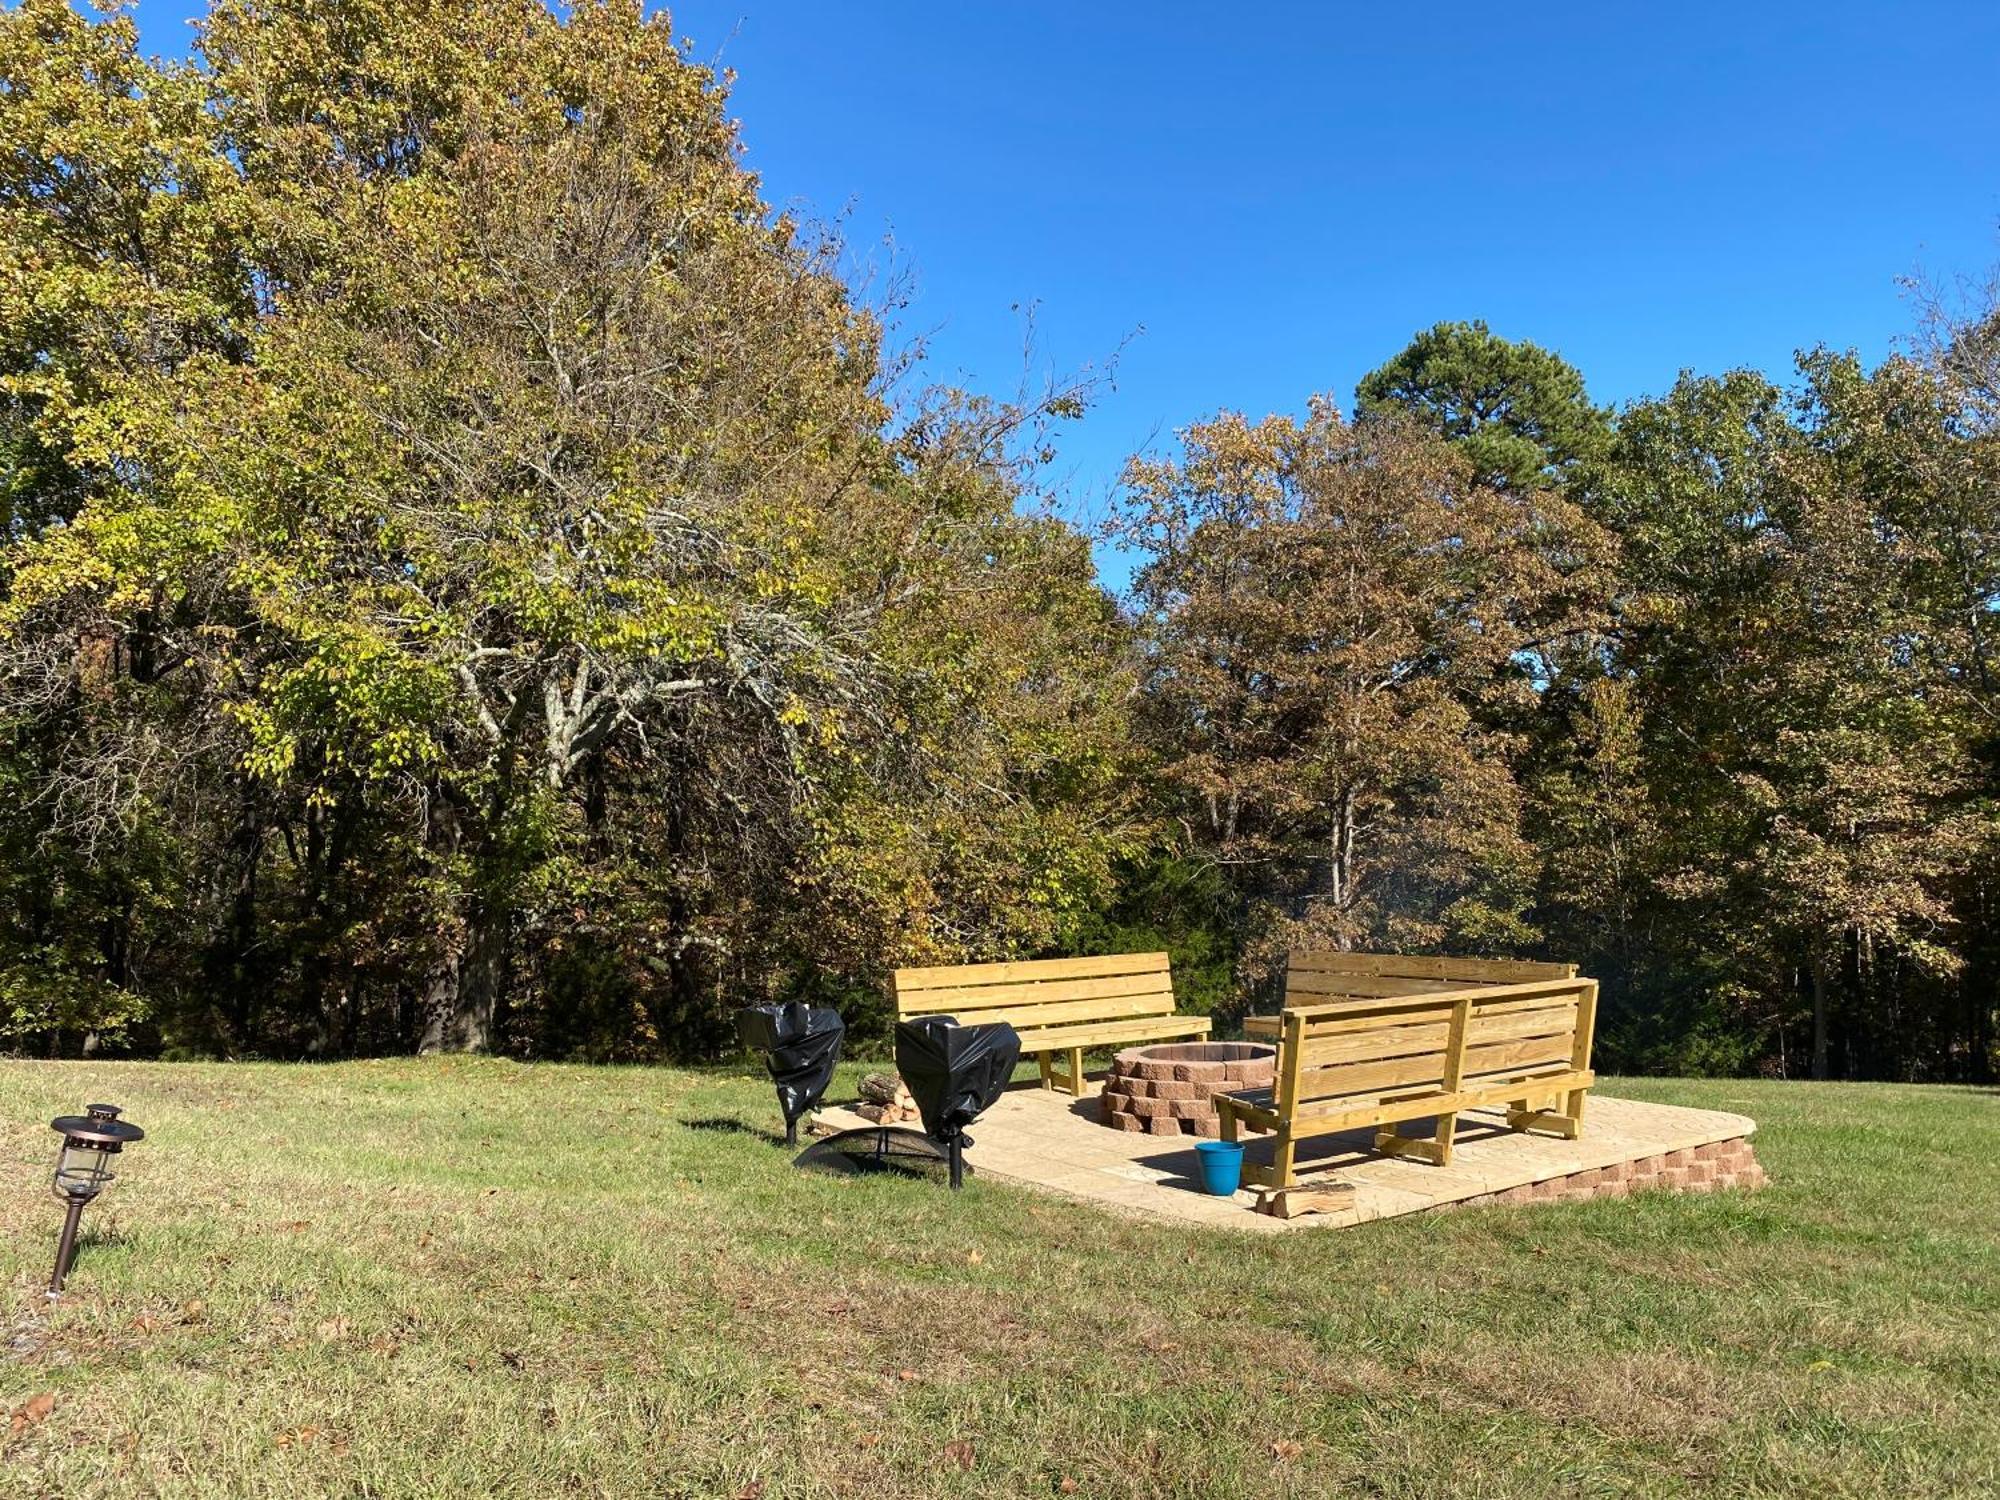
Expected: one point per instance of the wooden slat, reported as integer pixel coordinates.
(1488, 995)
(1031, 971)
(1505, 1023)
(1324, 1049)
(1311, 983)
(1370, 1077)
(1417, 966)
(1364, 1015)
(1017, 1016)
(967, 999)
(1373, 1044)
(1095, 1034)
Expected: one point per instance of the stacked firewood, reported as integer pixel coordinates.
(885, 1101)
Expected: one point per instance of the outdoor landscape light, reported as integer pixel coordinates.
(83, 1170)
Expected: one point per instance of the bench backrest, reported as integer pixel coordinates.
(1044, 992)
(1478, 1037)
(1312, 976)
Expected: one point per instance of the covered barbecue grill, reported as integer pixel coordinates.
(954, 1073)
(801, 1045)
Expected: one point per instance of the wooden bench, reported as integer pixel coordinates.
(1413, 1046)
(1058, 1005)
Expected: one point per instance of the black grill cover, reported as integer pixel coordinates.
(801, 1044)
(954, 1072)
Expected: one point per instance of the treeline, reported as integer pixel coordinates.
(476, 578)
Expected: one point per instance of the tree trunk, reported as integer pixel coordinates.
(465, 988)
(1819, 1017)
(462, 1008)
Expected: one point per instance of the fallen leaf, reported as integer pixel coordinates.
(974, 1258)
(906, 1374)
(754, 1490)
(1066, 1486)
(333, 1330)
(301, 1438)
(870, 1439)
(35, 1409)
(1285, 1449)
(959, 1451)
(194, 1312)
(296, 1226)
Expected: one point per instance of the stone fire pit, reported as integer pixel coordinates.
(1170, 1089)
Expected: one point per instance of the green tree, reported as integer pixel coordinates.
(1519, 412)
(486, 517)
(1806, 783)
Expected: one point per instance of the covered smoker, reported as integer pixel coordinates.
(801, 1045)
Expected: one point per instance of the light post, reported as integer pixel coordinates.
(83, 1170)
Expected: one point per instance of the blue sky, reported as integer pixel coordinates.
(1262, 201)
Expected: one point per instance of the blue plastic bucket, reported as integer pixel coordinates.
(1221, 1165)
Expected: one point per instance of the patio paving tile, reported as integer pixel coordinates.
(1040, 1139)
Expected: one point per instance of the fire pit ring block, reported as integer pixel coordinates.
(1169, 1089)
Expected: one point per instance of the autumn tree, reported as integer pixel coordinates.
(1330, 606)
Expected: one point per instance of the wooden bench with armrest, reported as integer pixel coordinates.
(1058, 1005)
(1353, 1062)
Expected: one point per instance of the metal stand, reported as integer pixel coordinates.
(791, 1132)
(66, 1249)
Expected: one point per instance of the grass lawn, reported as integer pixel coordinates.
(469, 1277)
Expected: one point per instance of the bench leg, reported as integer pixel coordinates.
(1561, 1115)
(1281, 1159)
(1390, 1141)
(1076, 1071)
(1446, 1132)
(1048, 1069)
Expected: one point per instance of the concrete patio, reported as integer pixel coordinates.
(1048, 1140)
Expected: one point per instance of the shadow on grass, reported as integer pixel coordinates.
(723, 1125)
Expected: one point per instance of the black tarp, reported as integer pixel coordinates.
(801, 1044)
(954, 1072)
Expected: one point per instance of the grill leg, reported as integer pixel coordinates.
(791, 1132)
(957, 1153)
